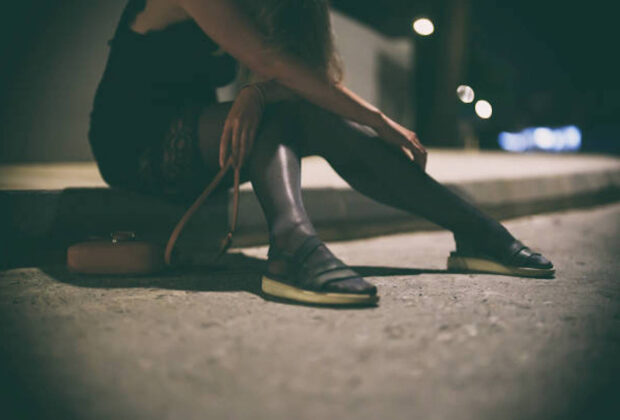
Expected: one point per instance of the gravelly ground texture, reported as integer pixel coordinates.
(203, 344)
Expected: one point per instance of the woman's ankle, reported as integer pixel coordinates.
(289, 239)
(493, 244)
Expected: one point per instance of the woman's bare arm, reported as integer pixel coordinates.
(234, 32)
(228, 26)
(273, 91)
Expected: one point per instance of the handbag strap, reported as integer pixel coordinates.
(227, 240)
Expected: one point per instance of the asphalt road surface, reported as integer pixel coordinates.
(203, 344)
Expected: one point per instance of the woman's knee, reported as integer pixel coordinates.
(329, 134)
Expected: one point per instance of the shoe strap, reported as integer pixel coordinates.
(319, 281)
(317, 275)
(307, 247)
(295, 260)
(321, 267)
(300, 254)
(518, 253)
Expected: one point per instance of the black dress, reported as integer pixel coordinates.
(147, 104)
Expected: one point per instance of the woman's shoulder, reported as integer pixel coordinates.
(158, 15)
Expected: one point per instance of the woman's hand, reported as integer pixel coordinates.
(241, 124)
(227, 24)
(407, 140)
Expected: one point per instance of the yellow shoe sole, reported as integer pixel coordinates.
(481, 265)
(282, 290)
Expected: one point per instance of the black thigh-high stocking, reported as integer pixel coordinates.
(383, 173)
(274, 168)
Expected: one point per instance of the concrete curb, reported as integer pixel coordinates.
(344, 213)
(36, 226)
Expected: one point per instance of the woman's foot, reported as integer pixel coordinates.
(514, 259)
(311, 273)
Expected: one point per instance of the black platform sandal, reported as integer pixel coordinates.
(290, 277)
(516, 260)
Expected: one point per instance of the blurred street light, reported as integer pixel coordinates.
(559, 139)
(465, 94)
(483, 109)
(543, 137)
(423, 26)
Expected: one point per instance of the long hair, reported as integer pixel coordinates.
(301, 28)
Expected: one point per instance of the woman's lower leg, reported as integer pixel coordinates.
(275, 172)
(367, 163)
(385, 174)
(274, 168)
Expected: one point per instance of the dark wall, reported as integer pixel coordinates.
(52, 56)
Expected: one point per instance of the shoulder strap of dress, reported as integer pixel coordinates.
(131, 10)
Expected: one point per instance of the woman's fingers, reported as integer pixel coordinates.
(224, 147)
(238, 132)
(418, 158)
(236, 140)
(247, 140)
(419, 152)
(407, 151)
(416, 153)
(243, 146)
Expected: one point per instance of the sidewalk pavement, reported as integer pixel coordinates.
(204, 343)
(51, 205)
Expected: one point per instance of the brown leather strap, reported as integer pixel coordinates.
(227, 240)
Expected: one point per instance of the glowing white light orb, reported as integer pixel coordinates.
(483, 109)
(465, 94)
(573, 137)
(544, 138)
(423, 26)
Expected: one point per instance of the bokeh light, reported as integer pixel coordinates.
(543, 138)
(423, 26)
(465, 93)
(560, 139)
(483, 109)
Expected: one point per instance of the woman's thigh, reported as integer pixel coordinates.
(335, 138)
(280, 125)
(313, 130)
(210, 126)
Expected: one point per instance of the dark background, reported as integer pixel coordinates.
(538, 63)
(545, 63)
(52, 57)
